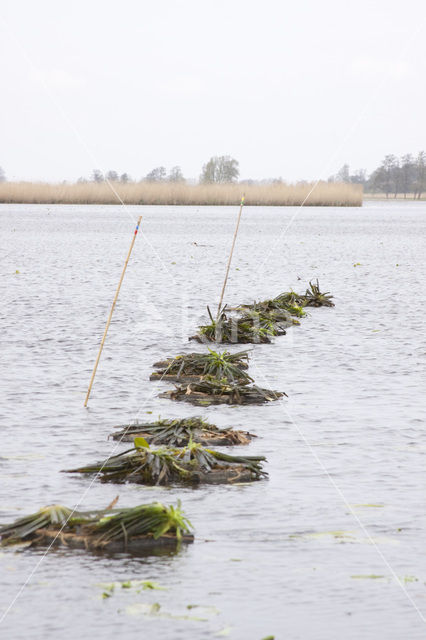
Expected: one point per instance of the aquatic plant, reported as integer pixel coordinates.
(178, 432)
(155, 519)
(210, 390)
(289, 299)
(252, 327)
(314, 297)
(165, 465)
(55, 515)
(220, 365)
(100, 527)
(291, 302)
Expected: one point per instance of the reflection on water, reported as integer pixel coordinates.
(268, 558)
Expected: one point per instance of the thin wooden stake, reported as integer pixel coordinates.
(230, 258)
(111, 312)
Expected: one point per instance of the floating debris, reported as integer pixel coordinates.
(142, 528)
(211, 391)
(261, 321)
(314, 297)
(251, 328)
(193, 366)
(179, 432)
(193, 464)
(281, 309)
(293, 302)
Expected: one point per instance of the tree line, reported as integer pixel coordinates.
(394, 176)
(218, 170)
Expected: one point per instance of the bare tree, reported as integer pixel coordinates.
(2, 175)
(156, 175)
(125, 178)
(111, 176)
(343, 174)
(359, 177)
(97, 176)
(407, 173)
(176, 175)
(389, 169)
(420, 175)
(219, 170)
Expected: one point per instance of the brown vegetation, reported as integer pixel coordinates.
(146, 193)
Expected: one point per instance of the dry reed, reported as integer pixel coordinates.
(146, 193)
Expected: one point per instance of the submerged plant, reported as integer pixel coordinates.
(168, 464)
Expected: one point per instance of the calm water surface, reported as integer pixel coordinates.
(333, 545)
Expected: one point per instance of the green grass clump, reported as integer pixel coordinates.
(231, 366)
(166, 465)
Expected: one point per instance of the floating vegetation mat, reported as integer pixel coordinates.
(261, 321)
(178, 433)
(193, 464)
(144, 528)
(192, 367)
(251, 328)
(294, 302)
(211, 391)
(314, 297)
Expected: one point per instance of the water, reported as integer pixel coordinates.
(346, 450)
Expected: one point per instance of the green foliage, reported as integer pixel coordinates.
(314, 297)
(165, 465)
(155, 519)
(221, 365)
(178, 432)
(55, 515)
(252, 327)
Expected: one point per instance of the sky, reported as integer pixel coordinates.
(289, 89)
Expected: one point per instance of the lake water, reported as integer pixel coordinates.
(331, 546)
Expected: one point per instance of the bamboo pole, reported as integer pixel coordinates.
(230, 257)
(112, 311)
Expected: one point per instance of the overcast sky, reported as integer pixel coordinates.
(291, 89)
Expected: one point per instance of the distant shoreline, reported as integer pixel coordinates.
(326, 194)
(391, 197)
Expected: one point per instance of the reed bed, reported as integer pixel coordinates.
(146, 193)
